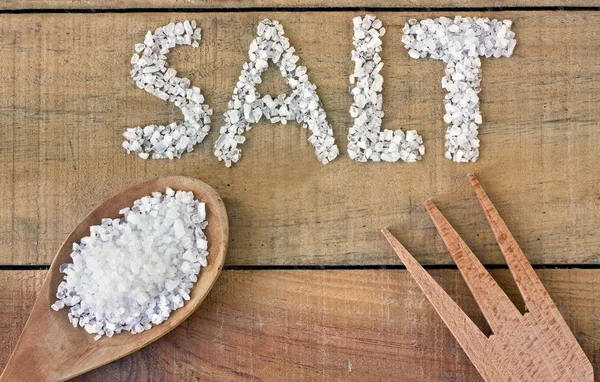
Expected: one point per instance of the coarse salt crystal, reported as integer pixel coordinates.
(132, 272)
(150, 73)
(459, 42)
(366, 140)
(302, 105)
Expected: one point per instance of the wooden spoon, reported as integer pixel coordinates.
(51, 349)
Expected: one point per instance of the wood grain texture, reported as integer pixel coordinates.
(317, 325)
(241, 4)
(536, 346)
(66, 97)
(51, 349)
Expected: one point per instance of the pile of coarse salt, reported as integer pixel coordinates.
(247, 106)
(150, 73)
(132, 272)
(459, 42)
(366, 141)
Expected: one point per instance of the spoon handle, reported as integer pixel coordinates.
(43, 352)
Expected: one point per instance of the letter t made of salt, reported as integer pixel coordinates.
(460, 42)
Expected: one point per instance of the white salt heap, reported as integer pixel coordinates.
(132, 272)
(150, 73)
(247, 106)
(459, 42)
(366, 141)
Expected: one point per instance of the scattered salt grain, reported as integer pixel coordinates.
(247, 106)
(366, 141)
(459, 42)
(133, 271)
(150, 73)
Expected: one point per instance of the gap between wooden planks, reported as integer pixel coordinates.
(317, 325)
(66, 97)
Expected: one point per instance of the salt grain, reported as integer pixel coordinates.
(366, 141)
(459, 42)
(132, 272)
(247, 106)
(151, 73)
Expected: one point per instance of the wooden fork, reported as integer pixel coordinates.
(536, 346)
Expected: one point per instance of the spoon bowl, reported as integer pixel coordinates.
(51, 349)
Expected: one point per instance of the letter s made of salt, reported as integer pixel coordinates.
(151, 73)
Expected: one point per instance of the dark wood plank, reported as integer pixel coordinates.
(238, 4)
(317, 325)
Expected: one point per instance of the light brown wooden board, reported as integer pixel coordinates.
(369, 325)
(66, 97)
(237, 4)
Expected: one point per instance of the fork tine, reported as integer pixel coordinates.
(468, 335)
(497, 308)
(533, 291)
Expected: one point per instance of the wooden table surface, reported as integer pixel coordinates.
(311, 290)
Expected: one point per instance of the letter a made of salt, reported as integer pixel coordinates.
(459, 42)
(247, 106)
(366, 141)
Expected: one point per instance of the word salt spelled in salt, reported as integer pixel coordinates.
(247, 106)
(132, 272)
(366, 141)
(151, 73)
(459, 42)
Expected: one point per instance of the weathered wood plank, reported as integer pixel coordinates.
(66, 97)
(238, 4)
(316, 325)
